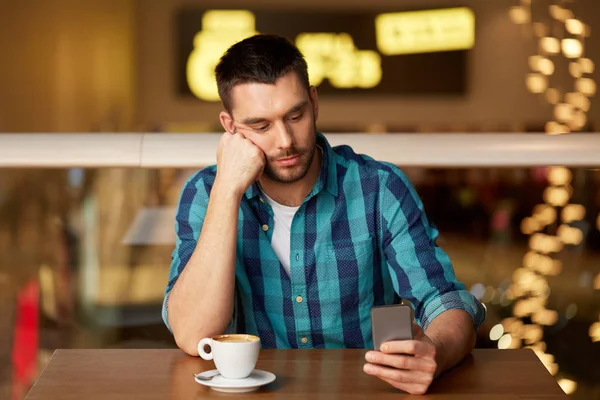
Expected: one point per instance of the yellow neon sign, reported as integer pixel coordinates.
(220, 30)
(425, 31)
(329, 56)
(334, 57)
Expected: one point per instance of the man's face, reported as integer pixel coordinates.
(280, 120)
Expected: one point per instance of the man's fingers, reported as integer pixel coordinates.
(403, 376)
(401, 361)
(407, 387)
(415, 347)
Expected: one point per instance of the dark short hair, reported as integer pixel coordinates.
(261, 58)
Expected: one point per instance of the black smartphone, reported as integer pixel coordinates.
(393, 322)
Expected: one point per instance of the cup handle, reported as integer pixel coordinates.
(205, 342)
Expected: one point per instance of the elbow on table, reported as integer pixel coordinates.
(186, 342)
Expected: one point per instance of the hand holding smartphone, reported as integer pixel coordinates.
(393, 322)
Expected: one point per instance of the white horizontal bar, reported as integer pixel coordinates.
(158, 150)
(59, 150)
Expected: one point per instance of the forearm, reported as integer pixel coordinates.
(454, 337)
(201, 302)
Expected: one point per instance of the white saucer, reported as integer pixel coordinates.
(256, 379)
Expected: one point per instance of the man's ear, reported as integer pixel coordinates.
(314, 99)
(227, 121)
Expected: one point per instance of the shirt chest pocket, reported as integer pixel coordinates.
(357, 252)
(347, 267)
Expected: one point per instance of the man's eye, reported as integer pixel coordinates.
(262, 128)
(296, 118)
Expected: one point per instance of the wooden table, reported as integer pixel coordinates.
(321, 374)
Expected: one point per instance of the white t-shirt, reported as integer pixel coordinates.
(283, 216)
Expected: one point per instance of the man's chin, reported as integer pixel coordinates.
(288, 176)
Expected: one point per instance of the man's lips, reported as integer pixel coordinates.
(288, 161)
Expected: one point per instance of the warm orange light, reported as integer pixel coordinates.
(425, 31)
(519, 15)
(220, 29)
(578, 100)
(559, 176)
(550, 45)
(557, 196)
(545, 244)
(545, 265)
(530, 259)
(568, 386)
(575, 27)
(560, 13)
(572, 212)
(532, 333)
(597, 282)
(594, 332)
(546, 66)
(545, 317)
(563, 112)
(586, 86)
(575, 69)
(587, 65)
(536, 83)
(554, 128)
(557, 268)
(578, 121)
(544, 213)
(541, 64)
(572, 48)
(569, 235)
(530, 225)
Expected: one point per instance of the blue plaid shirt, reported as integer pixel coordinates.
(360, 239)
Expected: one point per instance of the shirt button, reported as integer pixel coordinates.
(261, 199)
(304, 340)
(299, 299)
(265, 228)
(297, 257)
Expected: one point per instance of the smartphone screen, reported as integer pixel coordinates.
(392, 322)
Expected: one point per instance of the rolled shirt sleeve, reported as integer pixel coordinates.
(421, 271)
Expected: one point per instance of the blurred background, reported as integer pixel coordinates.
(85, 252)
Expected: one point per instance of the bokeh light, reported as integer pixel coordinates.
(505, 341)
(496, 332)
(568, 386)
(587, 65)
(519, 15)
(572, 48)
(550, 45)
(536, 83)
(574, 26)
(572, 212)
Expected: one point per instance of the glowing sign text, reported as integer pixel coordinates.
(425, 31)
(334, 57)
(220, 30)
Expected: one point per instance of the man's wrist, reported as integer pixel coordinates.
(227, 191)
(440, 358)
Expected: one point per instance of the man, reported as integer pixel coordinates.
(295, 241)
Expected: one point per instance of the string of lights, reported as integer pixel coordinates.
(560, 39)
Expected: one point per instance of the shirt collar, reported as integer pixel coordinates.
(327, 176)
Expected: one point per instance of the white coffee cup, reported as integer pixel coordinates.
(234, 355)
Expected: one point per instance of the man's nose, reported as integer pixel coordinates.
(285, 139)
